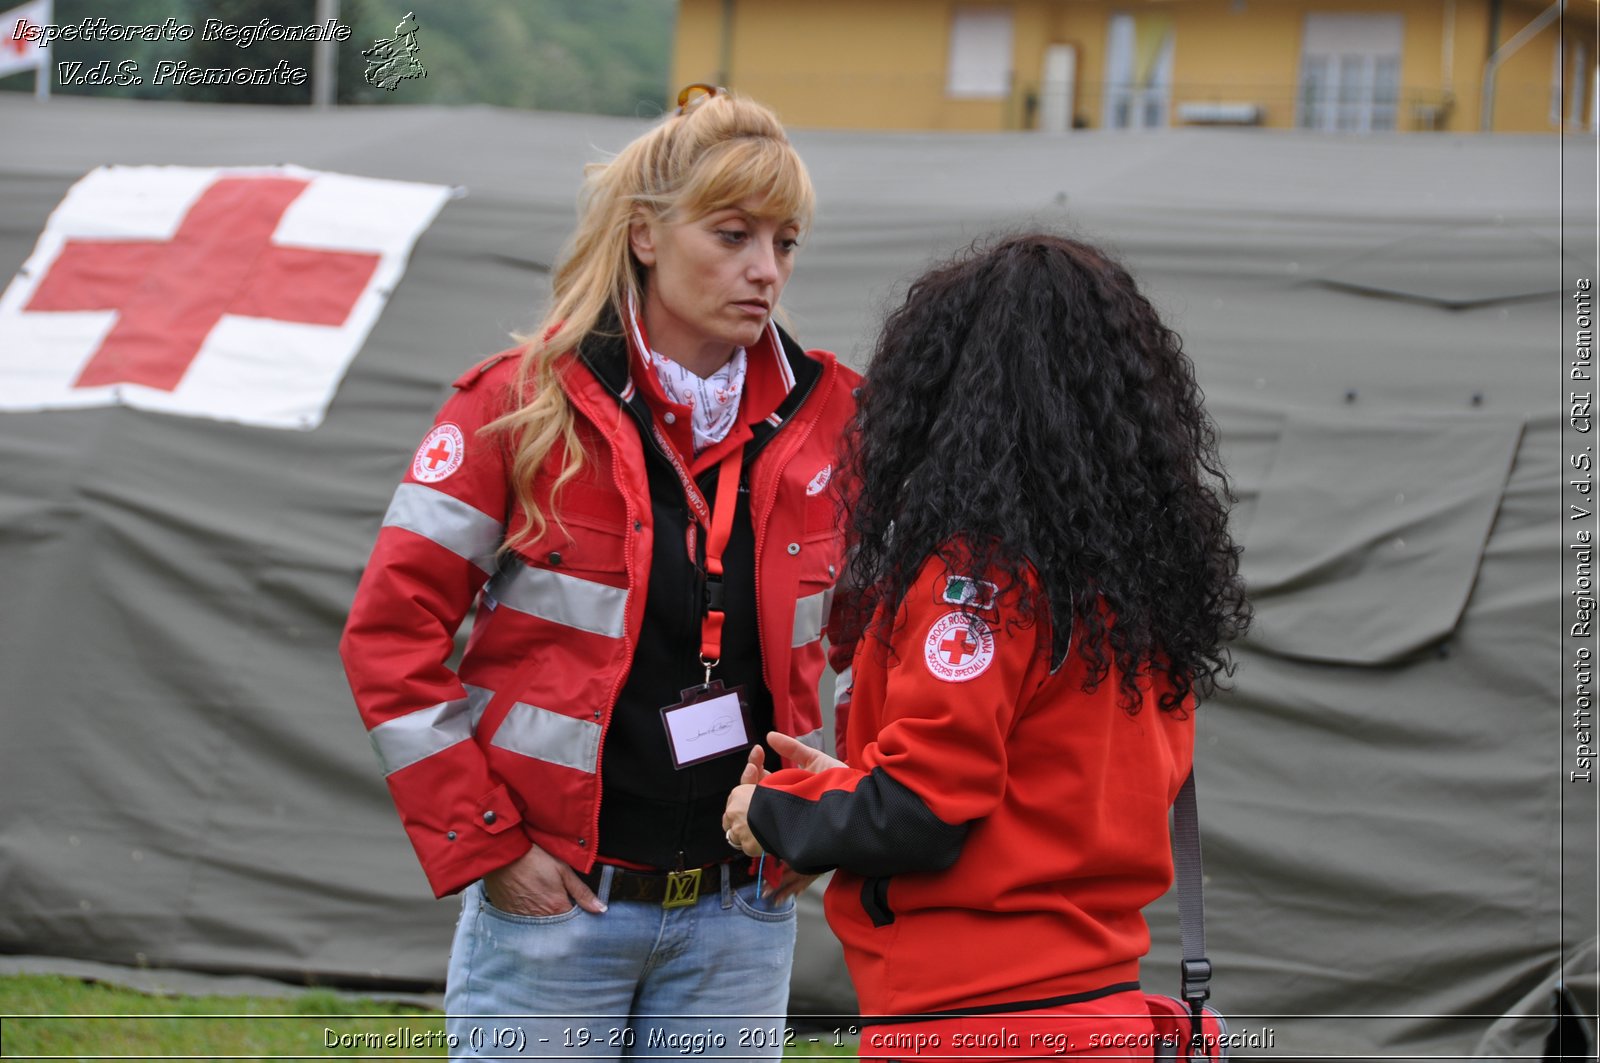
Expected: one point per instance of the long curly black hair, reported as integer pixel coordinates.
(1025, 407)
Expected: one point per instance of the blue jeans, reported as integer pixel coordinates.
(639, 981)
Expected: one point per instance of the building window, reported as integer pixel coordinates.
(1058, 89)
(1350, 73)
(980, 54)
(1138, 72)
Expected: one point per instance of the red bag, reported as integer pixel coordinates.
(1175, 1029)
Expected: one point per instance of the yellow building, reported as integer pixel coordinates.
(1337, 65)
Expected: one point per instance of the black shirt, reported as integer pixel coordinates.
(651, 812)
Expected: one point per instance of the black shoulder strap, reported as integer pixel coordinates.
(1196, 980)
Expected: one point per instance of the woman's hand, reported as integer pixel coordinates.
(736, 816)
(536, 883)
(790, 884)
(736, 820)
(801, 755)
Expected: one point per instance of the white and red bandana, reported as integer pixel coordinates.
(713, 401)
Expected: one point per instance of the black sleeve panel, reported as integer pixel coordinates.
(879, 828)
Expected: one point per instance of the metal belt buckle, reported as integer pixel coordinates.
(683, 888)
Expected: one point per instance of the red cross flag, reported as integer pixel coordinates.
(17, 51)
(235, 294)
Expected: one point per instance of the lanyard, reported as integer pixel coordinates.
(716, 543)
(718, 524)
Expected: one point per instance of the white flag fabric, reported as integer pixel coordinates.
(236, 294)
(16, 52)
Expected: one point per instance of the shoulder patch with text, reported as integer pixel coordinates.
(441, 454)
(820, 480)
(959, 647)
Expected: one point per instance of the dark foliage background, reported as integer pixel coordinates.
(590, 56)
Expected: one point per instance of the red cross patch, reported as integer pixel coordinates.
(441, 454)
(236, 294)
(959, 647)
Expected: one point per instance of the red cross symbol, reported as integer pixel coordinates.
(169, 295)
(440, 452)
(957, 647)
(13, 34)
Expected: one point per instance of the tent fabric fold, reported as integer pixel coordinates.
(1345, 531)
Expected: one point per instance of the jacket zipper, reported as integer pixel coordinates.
(603, 714)
(766, 520)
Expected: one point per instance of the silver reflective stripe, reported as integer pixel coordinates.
(462, 529)
(815, 740)
(562, 599)
(550, 737)
(841, 686)
(478, 699)
(808, 616)
(403, 741)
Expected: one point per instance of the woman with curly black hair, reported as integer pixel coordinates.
(1039, 516)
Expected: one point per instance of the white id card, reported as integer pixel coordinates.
(709, 722)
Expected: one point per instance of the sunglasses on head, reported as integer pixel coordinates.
(697, 93)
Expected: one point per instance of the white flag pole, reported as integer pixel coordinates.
(325, 61)
(42, 72)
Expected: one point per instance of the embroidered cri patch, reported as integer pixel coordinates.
(960, 647)
(440, 455)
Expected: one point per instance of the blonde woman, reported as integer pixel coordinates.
(638, 502)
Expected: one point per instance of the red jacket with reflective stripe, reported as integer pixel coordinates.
(505, 752)
(1056, 799)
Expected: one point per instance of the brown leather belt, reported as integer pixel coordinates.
(670, 889)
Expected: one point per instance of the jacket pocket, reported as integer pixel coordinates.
(875, 900)
(581, 544)
(821, 556)
(587, 531)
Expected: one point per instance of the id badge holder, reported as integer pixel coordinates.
(711, 721)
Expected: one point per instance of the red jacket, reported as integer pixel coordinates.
(997, 830)
(506, 751)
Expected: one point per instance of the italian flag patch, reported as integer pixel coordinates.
(967, 592)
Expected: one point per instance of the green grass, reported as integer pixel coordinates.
(65, 1018)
